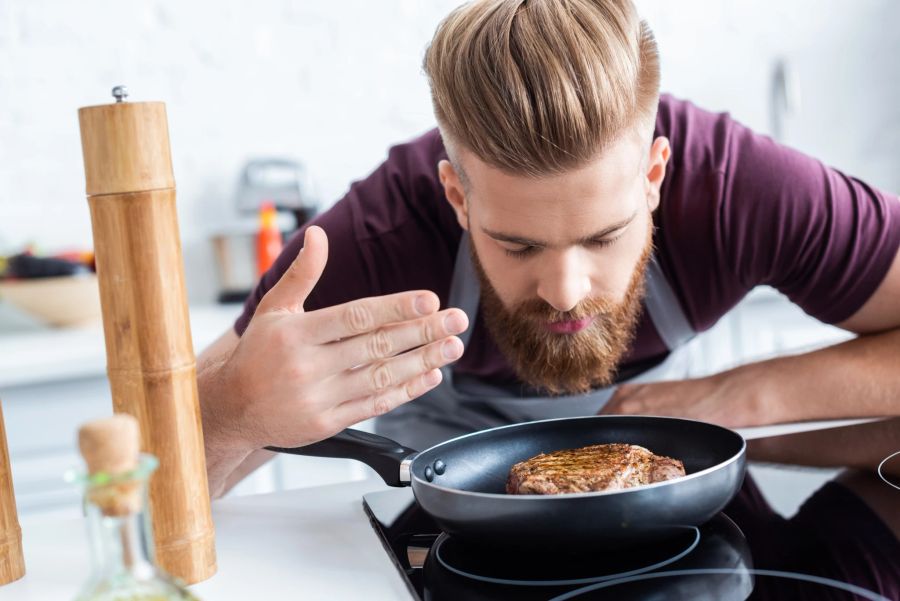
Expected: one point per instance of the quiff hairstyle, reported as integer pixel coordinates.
(538, 87)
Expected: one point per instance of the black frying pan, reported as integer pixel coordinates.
(461, 482)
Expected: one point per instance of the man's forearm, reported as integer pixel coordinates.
(223, 456)
(221, 462)
(857, 378)
(861, 446)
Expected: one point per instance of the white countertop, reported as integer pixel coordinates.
(313, 543)
(33, 355)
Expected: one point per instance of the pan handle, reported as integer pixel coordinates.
(389, 458)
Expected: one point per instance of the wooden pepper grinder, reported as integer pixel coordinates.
(150, 357)
(12, 564)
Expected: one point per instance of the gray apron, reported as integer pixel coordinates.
(460, 404)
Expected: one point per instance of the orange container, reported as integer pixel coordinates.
(268, 240)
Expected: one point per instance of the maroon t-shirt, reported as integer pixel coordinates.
(737, 210)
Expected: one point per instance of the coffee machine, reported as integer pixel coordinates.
(280, 181)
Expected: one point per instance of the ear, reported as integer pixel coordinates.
(454, 191)
(660, 152)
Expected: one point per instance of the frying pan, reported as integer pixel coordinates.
(461, 482)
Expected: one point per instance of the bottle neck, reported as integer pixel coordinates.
(122, 545)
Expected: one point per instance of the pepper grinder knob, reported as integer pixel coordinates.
(120, 93)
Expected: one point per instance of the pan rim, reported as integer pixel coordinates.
(417, 482)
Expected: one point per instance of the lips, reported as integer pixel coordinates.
(570, 326)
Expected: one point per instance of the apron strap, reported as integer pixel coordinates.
(665, 311)
(465, 290)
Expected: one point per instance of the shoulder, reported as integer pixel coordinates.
(699, 138)
(402, 222)
(403, 188)
(688, 236)
(418, 157)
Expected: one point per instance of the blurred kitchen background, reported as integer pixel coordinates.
(290, 101)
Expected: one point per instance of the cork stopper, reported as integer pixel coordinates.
(111, 448)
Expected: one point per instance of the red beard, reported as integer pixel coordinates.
(564, 363)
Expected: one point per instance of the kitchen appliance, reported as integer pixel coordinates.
(833, 546)
(460, 483)
(281, 182)
(234, 248)
(438, 567)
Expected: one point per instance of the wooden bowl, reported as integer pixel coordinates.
(63, 301)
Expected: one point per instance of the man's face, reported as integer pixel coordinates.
(561, 259)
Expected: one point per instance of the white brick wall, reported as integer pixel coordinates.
(330, 83)
(843, 54)
(334, 83)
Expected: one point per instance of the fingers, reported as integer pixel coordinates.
(352, 412)
(383, 375)
(367, 314)
(391, 340)
(292, 290)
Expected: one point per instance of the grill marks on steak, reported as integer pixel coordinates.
(600, 467)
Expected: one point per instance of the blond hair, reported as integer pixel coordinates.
(537, 87)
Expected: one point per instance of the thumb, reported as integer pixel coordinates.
(298, 281)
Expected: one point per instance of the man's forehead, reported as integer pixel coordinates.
(587, 199)
(606, 177)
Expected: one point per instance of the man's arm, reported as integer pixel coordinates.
(296, 377)
(826, 240)
(857, 378)
(225, 464)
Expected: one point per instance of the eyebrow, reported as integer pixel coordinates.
(530, 242)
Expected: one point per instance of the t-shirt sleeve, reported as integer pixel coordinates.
(390, 232)
(823, 238)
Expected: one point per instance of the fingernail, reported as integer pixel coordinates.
(450, 349)
(424, 304)
(433, 377)
(454, 323)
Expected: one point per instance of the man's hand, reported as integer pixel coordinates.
(298, 376)
(718, 399)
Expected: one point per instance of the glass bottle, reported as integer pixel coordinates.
(121, 538)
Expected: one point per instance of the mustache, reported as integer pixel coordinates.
(539, 311)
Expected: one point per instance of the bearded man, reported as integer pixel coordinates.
(547, 250)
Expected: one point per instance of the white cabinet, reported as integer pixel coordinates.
(41, 421)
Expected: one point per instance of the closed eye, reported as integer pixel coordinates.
(521, 253)
(603, 242)
(526, 251)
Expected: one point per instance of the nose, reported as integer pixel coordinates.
(565, 281)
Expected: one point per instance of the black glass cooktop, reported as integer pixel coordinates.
(840, 545)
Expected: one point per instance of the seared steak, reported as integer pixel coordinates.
(594, 468)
